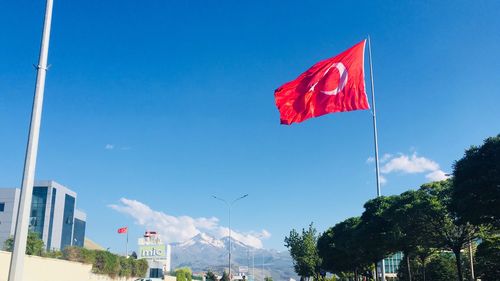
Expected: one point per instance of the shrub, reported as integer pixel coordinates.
(183, 274)
(488, 259)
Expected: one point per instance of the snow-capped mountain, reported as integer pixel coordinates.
(203, 252)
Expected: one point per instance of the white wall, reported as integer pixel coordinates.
(9, 196)
(45, 269)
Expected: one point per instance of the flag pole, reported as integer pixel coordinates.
(126, 246)
(375, 138)
(16, 267)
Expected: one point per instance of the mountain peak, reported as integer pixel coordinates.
(204, 239)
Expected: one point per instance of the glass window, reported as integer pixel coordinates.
(38, 206)
(2, 206)
(51, 220)
(68, 216)
(79, 233)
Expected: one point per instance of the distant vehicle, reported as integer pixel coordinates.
(149, 279)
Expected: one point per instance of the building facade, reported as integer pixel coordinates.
(53, 215)
(155, 252)
(392, 264)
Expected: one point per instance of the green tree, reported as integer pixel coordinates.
(476, 180)
(377, 228)
(303, 250)
(454, 234)
(488, 259)
(417, 235)
(210, 276)
(268, 278)
(340, 248)
(225, 277)
(34, 245)
(184, 274)
(441, 267)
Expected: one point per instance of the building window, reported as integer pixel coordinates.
(2, 206)
(78, 233)
(51, 220)
(68, 216)
(38, 206)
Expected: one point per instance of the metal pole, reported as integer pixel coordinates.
(253, 265)
(263, 275)
(126, 245)
(471, 261)
(229, 205)
(375, 137)
(230, 277)
(16, 267)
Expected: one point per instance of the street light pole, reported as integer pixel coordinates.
(16, 268)
(229, 205)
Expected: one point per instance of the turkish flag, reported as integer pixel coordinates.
(333, 85)
(122, 230)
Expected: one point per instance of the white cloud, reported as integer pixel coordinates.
(109, 146)
(182, 228)
(437, 175)
(384, 158)
(382, 180)
(409, 164)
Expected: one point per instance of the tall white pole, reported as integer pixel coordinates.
(375, 137)
(20, 236)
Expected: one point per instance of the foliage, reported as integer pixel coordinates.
(426, 224)
(210, 276)
(183, 274)
(441, 268)
(140, 268)
(104, 262)
(34, 245)
(303, 250)
(488, 259)
(268, 278)
(377, 229)
(419, 234)
(225, 277)
(133, 255)
(340, 248)
(54, 254)
(476, 178)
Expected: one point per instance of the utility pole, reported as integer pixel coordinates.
(16, 268)
(229, 205)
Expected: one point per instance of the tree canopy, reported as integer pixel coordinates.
(302, 247)
(476, 177)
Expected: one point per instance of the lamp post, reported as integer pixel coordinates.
(229, 205)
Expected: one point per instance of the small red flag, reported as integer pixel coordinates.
(333, 85)
(122, 230)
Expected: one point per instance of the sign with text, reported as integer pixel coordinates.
(157, 251)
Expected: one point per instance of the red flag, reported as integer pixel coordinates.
(333, 85)
(122, 230)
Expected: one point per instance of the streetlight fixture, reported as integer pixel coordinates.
(229, 205)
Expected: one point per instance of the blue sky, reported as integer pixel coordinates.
(165, 103)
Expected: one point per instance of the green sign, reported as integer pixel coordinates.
(158, 251)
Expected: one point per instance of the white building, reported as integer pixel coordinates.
(53, 215)
(157, 254)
